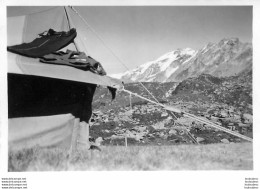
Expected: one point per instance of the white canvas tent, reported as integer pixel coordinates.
(25, 28)
(23, 25)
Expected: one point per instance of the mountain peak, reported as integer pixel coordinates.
(184, 51)
(229, 41)
(225, 58)
(176, 53)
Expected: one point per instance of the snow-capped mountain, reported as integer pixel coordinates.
(226, 58)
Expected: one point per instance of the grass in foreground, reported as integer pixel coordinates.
(237, 156)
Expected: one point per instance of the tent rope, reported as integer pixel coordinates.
(170, 108)
(173, 109)
(69, 26)
(111, 51)
(188, 132)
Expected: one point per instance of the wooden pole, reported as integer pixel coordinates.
(126, 141)
(69, 26)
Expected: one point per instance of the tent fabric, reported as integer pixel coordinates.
(30, 96)
(14, 11)
(74, 59)
(63, 131)
(30, 66)
(33, 24)
(22, 29)
(15, 27)
(45, 44)
(39, 93)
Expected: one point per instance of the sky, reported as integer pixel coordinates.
(138, 34)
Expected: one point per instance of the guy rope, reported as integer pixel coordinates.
(205, 121)
(169, 108)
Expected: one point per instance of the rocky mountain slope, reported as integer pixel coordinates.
(233, 90)
(226, 101)
(229, 57)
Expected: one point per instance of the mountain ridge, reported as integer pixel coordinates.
(228, 57)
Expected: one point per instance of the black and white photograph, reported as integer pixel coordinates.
(132, 88)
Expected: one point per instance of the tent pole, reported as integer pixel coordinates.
(68, 20)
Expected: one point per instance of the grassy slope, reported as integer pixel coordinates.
(237, 156)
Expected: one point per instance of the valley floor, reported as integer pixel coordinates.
(233, 156)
